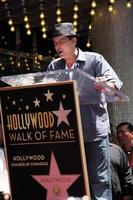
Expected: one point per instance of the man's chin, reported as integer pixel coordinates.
(61, 55)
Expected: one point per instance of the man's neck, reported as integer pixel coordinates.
(71, 59)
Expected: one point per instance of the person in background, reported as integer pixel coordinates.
(121, 174)
(95, 119)
(4, 181)
(124, 132)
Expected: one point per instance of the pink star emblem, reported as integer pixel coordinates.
(55, 183)
(62, 115)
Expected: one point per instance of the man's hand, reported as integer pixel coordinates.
(101, 83)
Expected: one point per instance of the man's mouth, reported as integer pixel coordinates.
(59, 52)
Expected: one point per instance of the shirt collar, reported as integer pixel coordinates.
(81, 56)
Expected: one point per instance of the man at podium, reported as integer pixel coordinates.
(95, 120)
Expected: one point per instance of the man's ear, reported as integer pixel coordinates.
(74, 39)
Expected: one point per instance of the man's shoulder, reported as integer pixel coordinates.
(116, 147)
(93, 55)
(56, 60)
(56, 64)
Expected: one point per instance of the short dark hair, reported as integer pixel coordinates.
(129, 125)
(71, 36)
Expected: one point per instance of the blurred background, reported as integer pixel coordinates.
(105, 26)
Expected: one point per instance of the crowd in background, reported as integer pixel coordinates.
(102, 157)
(121, 157)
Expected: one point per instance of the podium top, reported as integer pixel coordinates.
(85, 84)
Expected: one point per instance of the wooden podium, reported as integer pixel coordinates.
(44, 141)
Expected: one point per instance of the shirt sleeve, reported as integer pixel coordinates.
(103, 68)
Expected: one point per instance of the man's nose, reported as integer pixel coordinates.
(119, 134)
